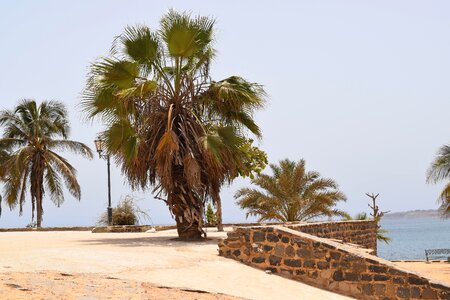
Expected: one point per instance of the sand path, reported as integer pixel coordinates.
(140, 257)
(439, 271)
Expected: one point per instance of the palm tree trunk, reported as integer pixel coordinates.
(37, 187)
(39, 210)
(188, 229)
(218, 201)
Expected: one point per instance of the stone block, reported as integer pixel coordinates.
(319, 254)
(380, 277)
(290, 251)
(403, 292)
(259, 259)
(295, 263)
(429, 293)
(335, 255)
(279, 250)
(366, 277)
(285, 239)
(300, 272)
(338, 275)
(417, 280)
(367, 289)
(323, 265)
(359, 267)
(234, 245)
(379, 289)
(309, 264)
(377, 269)
(233, 235)
(304, 253)
(267, 248)
(272, 238)
(286, 272)
(259, 236)
(274, 260)
(398, 280)
(415, 292)
(349, 276)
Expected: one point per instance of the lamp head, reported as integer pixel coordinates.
(99, 145)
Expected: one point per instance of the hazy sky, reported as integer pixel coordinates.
(360, 89)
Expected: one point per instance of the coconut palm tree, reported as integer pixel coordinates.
(4, 155)
(290, 194)
(168, 124)
(33, 136)
(439, 171)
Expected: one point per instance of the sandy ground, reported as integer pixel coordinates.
(129, 265)
(439, 271)
(52, 285)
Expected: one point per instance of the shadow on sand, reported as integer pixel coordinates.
(147, 241)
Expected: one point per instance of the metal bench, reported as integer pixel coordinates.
(437, 253)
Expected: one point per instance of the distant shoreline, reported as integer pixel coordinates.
(427, 213)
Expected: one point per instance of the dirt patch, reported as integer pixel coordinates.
(56, 285)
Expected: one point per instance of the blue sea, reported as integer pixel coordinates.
(411, 236)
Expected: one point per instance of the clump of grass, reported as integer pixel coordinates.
(127, 212)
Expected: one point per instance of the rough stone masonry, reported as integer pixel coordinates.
(346, 267)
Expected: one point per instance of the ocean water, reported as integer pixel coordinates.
(411, 236)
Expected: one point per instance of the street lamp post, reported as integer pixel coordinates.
(99, 146)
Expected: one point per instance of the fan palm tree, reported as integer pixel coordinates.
(32, 137)
(439, 171)
(168, 124)
(290, 194)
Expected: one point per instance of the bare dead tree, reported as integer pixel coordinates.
(377, 214)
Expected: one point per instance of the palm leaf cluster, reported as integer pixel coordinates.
(291, 194)
(381, 233)
(33, 136)
(168, 124)
(440, 171)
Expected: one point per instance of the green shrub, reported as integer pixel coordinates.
(210, 216)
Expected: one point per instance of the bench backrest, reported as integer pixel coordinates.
(436, 252)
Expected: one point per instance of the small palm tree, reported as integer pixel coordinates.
(381, 233)
(32, 137)
(291, 194)
(168, 124)
(439, 171)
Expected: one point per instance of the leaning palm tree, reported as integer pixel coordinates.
(290, 194)
(439, 171)
(168, 124)
(33, 136)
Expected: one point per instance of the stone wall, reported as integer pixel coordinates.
(327, 264)
(361, 233)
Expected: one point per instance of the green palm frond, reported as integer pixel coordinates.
(440, 167)
(139, 44)
(291, 194)
(439, 171)
(28, 161)
(184, 35)
(168, 124)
